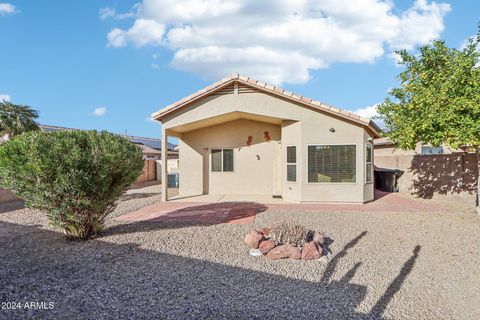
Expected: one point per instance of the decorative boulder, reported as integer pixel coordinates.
(266, 245)
(318, 237)
(284, 251)
(266, 232)
(293, 252)
(253, 238)
(311, 250)
(279, 252)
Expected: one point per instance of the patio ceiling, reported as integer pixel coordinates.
(227, 117)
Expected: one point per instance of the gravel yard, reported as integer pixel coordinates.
(383, 265)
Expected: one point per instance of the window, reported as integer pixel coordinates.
(368, 163)
(332, 163)
(222, 160)
(427, 150)
(292, 163)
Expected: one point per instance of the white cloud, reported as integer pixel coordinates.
(367, 112)
(278, 40)
(108, 12)
(7, 8)
(142, 32)
(5, 97)
(101, 111)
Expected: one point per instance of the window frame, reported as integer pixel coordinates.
(291, 163)
(368, 163)
(221, 159)
(332, 144)
(427, 146)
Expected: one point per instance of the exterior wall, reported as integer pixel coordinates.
(390, 150)
(149, 172)
(428, 175)
(255, 167)
(7, 196)
(301, 126)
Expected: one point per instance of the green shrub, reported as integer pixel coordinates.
(75, 176)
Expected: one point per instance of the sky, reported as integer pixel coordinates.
(108, 65)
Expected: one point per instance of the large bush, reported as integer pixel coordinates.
(75, 176)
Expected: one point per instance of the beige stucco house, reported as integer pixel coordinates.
(240, 136)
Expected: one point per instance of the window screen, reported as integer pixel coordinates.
(291, 154)
(427, 150)
(368, 164)
(216, 160)
(332, 163)
(292, 163)
(227, 160)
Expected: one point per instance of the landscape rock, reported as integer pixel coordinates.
(279, 252)
(311, 250)
(266, 245)
(284, 251)
(318, 237)
(255, 252)
(253, 238)
(293, 252)
(266, 232)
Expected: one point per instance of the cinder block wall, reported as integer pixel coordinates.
(7, 195)
(427, 175)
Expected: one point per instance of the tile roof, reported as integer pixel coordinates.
(235, 77)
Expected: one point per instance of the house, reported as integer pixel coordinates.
(385, 147)
(429, 171)
(241, 136)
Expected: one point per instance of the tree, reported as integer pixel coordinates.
(438, 101)
(16, 119)
(75, 176)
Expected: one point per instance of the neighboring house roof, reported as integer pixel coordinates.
(382, 142)
(268, 89)
(147, 149)
(149, 142)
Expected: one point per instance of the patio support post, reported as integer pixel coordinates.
(164, 165)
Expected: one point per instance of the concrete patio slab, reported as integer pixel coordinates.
(241, 209)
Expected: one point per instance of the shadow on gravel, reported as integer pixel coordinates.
(198, 214)
(96, 279)
(11, 206)
(140, 195)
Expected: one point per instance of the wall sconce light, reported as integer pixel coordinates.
(258, 157)
(332, 129)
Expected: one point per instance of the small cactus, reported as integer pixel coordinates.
(290, 232)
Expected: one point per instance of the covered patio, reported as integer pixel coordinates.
(255, 144)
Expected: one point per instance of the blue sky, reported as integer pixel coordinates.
(110, 64)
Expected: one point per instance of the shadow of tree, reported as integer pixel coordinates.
(11, 206)
(199, 214)
(443, 174)
(98, 279)
(140, 195)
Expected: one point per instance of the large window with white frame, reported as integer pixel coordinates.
(368, 163)
(222, 160)
(291, 163)
(331, 163)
